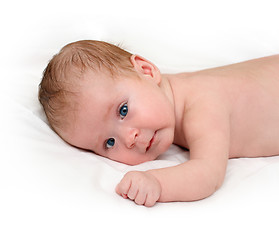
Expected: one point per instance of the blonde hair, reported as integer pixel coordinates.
(65, 70)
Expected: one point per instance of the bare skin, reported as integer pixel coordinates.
(228, 112)
(219, 113)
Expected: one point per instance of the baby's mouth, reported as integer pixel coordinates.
(151, 142)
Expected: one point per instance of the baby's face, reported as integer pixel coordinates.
(129, 120)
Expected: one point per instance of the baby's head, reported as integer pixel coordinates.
(63, 76)
(99, 97)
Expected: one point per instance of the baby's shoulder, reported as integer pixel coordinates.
(200, 86)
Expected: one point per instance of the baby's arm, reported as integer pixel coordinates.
(207, 132)
(197, 178)
(207, 129)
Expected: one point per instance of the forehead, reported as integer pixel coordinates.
(103, 84)
(97, 97)
(96, 79)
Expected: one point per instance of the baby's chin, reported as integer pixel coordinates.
(148, 158)
(137, 161)
(133, 162)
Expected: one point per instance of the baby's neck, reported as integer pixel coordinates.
(171, 85)
(165, 86)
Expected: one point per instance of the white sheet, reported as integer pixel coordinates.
(49, 190)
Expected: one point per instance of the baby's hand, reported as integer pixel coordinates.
(141, 187)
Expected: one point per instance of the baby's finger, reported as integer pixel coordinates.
(150, 201)
(140, 198)
(124, 195)
(133, 191)
(122, 188)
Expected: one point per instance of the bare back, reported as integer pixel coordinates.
(250, 93)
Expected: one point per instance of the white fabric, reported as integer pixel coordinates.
(50, 190)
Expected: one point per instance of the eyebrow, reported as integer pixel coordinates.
(108, 111)
(99, 144)
(111, 104)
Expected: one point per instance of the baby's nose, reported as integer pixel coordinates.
(131, 137)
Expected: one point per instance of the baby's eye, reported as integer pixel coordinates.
(123, 111)
(109, 143)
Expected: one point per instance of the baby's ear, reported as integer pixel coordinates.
(146, 68)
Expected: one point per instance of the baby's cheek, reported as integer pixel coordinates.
(119, 156)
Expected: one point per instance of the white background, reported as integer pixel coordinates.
(39, 200)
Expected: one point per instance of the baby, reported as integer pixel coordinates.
(99, 97)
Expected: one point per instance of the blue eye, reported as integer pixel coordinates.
(109, 143)
(123, 111)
